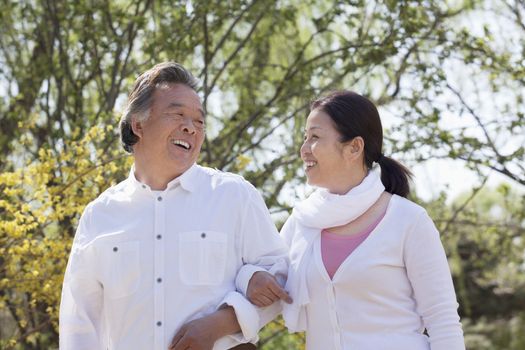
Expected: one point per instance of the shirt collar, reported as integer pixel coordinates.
(188, 180)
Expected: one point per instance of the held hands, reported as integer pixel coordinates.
(264, 290)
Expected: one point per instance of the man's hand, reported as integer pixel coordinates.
(264, 290)
(198, 334)
(202, 333)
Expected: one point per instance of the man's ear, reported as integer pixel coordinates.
(136, 127)
(354, 148)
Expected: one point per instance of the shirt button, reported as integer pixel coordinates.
(115, 249)
(159, 323)
(159, 280)
(159, 236)
(143, 186)
(203, 235)
(159, 198)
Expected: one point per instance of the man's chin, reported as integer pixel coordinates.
(180, 165)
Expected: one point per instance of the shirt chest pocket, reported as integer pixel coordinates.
(123, 259)
(202, 257)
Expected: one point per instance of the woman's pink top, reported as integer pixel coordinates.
(336, 248)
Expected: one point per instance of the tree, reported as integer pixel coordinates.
(483, 233)
(66, 67)
(469, 105)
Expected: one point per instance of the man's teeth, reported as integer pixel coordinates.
(181, 143)
(310, 164)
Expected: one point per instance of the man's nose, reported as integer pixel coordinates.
(187, 126)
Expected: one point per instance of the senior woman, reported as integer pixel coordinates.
(367, 267)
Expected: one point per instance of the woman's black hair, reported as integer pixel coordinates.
(355, 115)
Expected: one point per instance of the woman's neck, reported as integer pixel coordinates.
(349, 180)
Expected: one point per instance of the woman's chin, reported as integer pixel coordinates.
(312, 182)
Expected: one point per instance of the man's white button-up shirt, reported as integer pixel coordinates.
(143, 262)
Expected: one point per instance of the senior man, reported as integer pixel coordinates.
(155, 259)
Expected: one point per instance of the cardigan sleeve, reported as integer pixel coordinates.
(429, 274)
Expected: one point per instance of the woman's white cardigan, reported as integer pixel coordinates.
(393, 286)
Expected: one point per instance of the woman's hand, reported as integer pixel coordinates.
(264, 290)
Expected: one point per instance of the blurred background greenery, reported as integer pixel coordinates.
(448, 77)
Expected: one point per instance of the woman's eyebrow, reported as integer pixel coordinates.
(311, 128)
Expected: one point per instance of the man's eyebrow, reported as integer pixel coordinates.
(179, 105)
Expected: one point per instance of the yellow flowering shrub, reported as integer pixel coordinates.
(40, 204)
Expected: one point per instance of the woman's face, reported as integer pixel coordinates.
(322, 153)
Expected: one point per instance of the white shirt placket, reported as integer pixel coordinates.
(158, 270)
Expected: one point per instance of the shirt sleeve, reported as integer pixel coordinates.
(262, 249)
(250, 318)
(429, 274)
(82, 299)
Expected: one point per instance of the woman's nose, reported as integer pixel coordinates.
(305, 148)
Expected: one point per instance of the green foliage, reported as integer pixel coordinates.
(65, 68)
(496, 334)
(483, 233)
(275, 336)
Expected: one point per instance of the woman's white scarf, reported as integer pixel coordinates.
(320, 210)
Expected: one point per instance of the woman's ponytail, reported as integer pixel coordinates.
(394, 176)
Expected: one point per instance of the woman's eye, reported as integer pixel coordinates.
(312, 137)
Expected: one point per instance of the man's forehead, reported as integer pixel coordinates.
(178, 96)
(179, 89)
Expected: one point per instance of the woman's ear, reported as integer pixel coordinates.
(354, 148)
(136, 127)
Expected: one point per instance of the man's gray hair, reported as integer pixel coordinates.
(141, 96)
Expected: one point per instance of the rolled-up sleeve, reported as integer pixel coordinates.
(262, 249)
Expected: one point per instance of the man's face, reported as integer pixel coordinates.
(171, 138)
